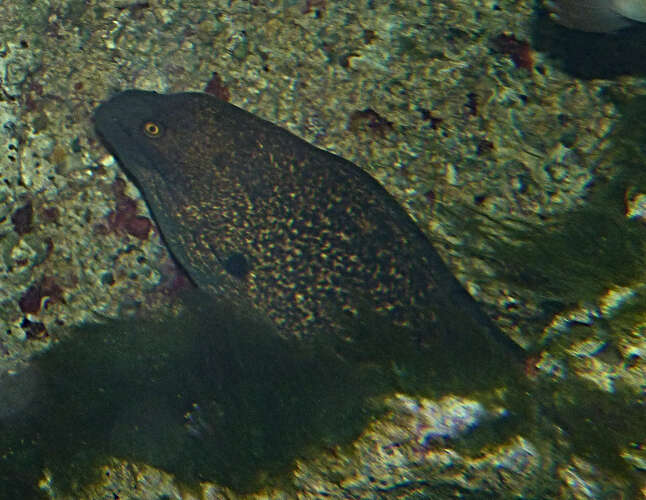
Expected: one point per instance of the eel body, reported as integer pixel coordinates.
(252, 212)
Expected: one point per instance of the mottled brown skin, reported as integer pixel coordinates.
(253, 212)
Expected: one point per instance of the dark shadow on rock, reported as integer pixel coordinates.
(213, 394)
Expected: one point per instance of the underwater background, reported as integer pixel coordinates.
(516, 144)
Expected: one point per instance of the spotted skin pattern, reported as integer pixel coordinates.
(254, 213)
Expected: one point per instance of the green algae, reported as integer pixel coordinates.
(213, 395)
(206, 395)
(598, 425)
(629, 315)
(574, 257)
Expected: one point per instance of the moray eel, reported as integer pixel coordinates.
(253, 213)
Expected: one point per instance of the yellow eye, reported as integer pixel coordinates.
(151, 129)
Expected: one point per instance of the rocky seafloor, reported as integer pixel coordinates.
(520, 165)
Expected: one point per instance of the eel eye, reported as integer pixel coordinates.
(151, 129)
